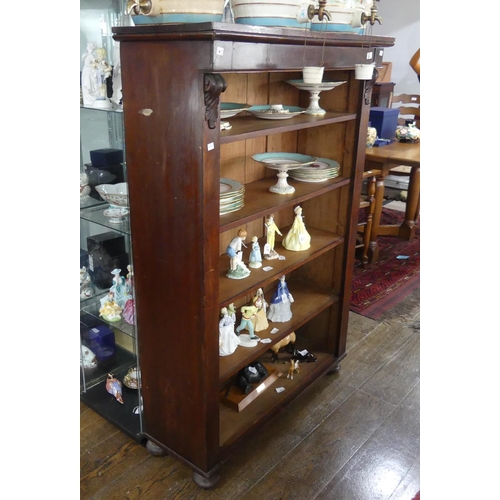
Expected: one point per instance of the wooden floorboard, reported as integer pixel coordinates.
(352, 435)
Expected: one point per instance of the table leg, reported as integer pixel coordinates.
(408, 228)
(379, 199)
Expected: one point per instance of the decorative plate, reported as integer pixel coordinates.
(321, 170)
(284, 161)
(275, 112)
(301, 85)
(228, 109)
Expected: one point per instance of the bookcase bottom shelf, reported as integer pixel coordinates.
(234, 425)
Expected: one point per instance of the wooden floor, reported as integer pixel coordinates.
(354, 435)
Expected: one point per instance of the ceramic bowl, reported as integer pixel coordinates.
(114, 194)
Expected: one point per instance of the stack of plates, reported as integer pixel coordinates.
(321, 170)
(231, 196)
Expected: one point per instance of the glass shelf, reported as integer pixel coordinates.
(96, 215)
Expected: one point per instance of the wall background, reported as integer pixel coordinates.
(401, 19)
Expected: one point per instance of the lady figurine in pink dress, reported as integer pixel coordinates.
(129, 309)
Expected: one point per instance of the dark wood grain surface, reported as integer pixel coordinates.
(354, 434)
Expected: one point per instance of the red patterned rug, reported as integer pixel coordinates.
(386, 282)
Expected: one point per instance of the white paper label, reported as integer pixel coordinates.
(381, 53)
(95, 330)
(260, 388)
(210, 146)
(275, 330)
(279, 389)
(220, 51)
(369, 55)
(267, 268)
(265, 341)
(304, 352)
(252, 370)
(281, 257)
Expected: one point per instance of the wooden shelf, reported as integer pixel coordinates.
(309, 300)
(260, 202)
(230, 290)
(248, 127)
(234, 425)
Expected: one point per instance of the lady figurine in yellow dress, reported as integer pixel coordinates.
(298, 238)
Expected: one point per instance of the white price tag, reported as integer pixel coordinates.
(381, 52)
(281, 257)
(220, 51)
(210, 146)
(279, 389)
(265, 341)
(369, 55)
(275, 330)
(267, 268)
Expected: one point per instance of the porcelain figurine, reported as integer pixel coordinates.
(110, 310)
(84, 188)
(280, 308)
(117, 96)
(87, 358)
(260, 319)
(94, 74)
(228, 340)
(293, 367)
(131, 379)
(89, 84)
(238, 270)
(129, 307)
(255, 259)
(408, 132)
(297, 239)
(114, 387)
(86, 287)
(288, 342)
(371, 136)
(248, 313)
(271, 230)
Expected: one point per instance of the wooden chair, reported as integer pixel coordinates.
(367, 209)
(409, 109)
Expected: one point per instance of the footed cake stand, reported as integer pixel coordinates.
(283, 162)
(314, 89)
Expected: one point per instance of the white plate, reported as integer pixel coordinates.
(265, 113)
(228, 109)
(301, 85)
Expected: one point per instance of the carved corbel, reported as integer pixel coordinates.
(214, 85)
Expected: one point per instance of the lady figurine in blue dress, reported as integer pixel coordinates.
(255, 260)
(280, 310)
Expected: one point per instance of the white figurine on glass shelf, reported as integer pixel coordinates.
(255, 259)
(271, 230)
(228, 340)
(117, 77)
(297, 239)
(86, 287)
(260, 319)
(94, 74)
(89, 83)
(237, 269)
(280, 308)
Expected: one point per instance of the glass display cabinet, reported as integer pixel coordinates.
(108, 331)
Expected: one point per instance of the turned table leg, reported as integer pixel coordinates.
(408, 228)
(379, 199)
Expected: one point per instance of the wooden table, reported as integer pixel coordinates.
(384, 158)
